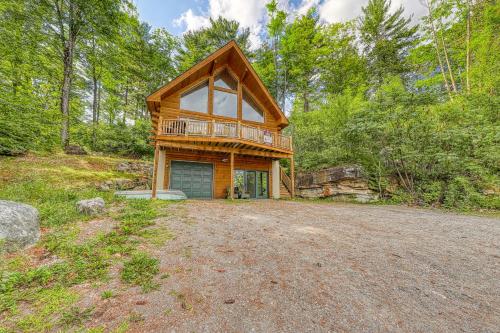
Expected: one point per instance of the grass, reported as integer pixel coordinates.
(140, 270)
(53, 184)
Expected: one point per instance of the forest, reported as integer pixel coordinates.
(414, 103)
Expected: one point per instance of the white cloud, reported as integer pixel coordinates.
(252, 13)
(344, 10)
(191, 21)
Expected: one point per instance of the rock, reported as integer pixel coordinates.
(346, 182)
(90, 206)
(124, 184)
(74, 150)
(19, 225)
(144, 168)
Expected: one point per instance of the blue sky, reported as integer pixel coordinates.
(178, 16)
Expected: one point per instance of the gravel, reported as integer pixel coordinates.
(283, 266)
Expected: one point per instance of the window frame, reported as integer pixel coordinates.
(245, 90)
(193, 86)
(241, 87)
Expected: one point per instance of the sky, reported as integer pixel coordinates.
(179, 16)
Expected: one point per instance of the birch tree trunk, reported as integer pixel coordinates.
(448, 65)
(436, 46)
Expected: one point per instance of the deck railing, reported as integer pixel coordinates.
(213, 128)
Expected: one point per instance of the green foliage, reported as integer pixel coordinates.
(198, 44)
(140, 270)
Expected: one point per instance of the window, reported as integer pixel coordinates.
(225, 104)
(225, 80)
(250, 109)
(196, 99)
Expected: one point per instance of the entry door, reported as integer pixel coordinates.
(262, 185)
(250, 175)
(194, 179)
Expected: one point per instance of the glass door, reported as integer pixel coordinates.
(262, 185)
(250, 185)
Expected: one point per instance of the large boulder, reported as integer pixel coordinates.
(344, 182)
(90, 206)
(19, 225)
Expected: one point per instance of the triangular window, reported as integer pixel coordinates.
(250, 109)
(196, 99)
(225, 80)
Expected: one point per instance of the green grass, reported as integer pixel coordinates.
(107, 294)
(53, 184)
(140, 270)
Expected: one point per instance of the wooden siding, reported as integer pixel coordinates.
(170, 107)
(222, 170)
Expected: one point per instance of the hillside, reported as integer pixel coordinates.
(40, 288)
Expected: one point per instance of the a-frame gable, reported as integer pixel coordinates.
(231, 56)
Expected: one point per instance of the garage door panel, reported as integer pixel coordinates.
(194, 179)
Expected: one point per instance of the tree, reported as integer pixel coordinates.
(72, 19)
(386, 39)
(302, 48)
(196, 45)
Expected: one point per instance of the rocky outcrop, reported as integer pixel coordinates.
(124, 184)
(143, 172)
(143, 168)
(19, 225)
(74, 150)
(90, 206)
(346, 182)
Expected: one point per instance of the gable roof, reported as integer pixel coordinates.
(228, 54)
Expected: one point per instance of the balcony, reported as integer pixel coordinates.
(214, 130)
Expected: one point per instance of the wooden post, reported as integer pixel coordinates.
(231, 190)
(292, 175)
(160, 126)
(213, 128)
(155, 171)
(238, 130)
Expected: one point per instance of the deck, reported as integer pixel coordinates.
(191, 133)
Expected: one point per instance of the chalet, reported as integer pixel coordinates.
(218, 132)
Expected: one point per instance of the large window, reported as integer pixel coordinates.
(225, 104)
(196, 99)
(250, 109)
(225, 80)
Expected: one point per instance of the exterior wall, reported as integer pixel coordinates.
(222, 170)
(170, 108)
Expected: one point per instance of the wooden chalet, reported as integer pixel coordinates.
(218, 132)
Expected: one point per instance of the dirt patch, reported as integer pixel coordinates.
(296, 267)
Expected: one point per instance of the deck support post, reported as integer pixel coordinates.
(155, 172)
(231, 189)
(160, 179)
(292, 176)
(276, 179)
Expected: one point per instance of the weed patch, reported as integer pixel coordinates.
(140, 270)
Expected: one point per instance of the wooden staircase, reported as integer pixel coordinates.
(285, 185)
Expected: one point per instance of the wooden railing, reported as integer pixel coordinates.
(285, 180)
(213, 128)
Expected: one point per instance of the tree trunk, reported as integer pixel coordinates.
(306, 102)
(95, 92)
(438, 54)
(66, 89)
(467, 56)
(445, 50)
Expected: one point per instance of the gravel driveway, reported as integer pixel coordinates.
(282, 266)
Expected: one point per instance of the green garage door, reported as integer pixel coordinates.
(194, 179)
